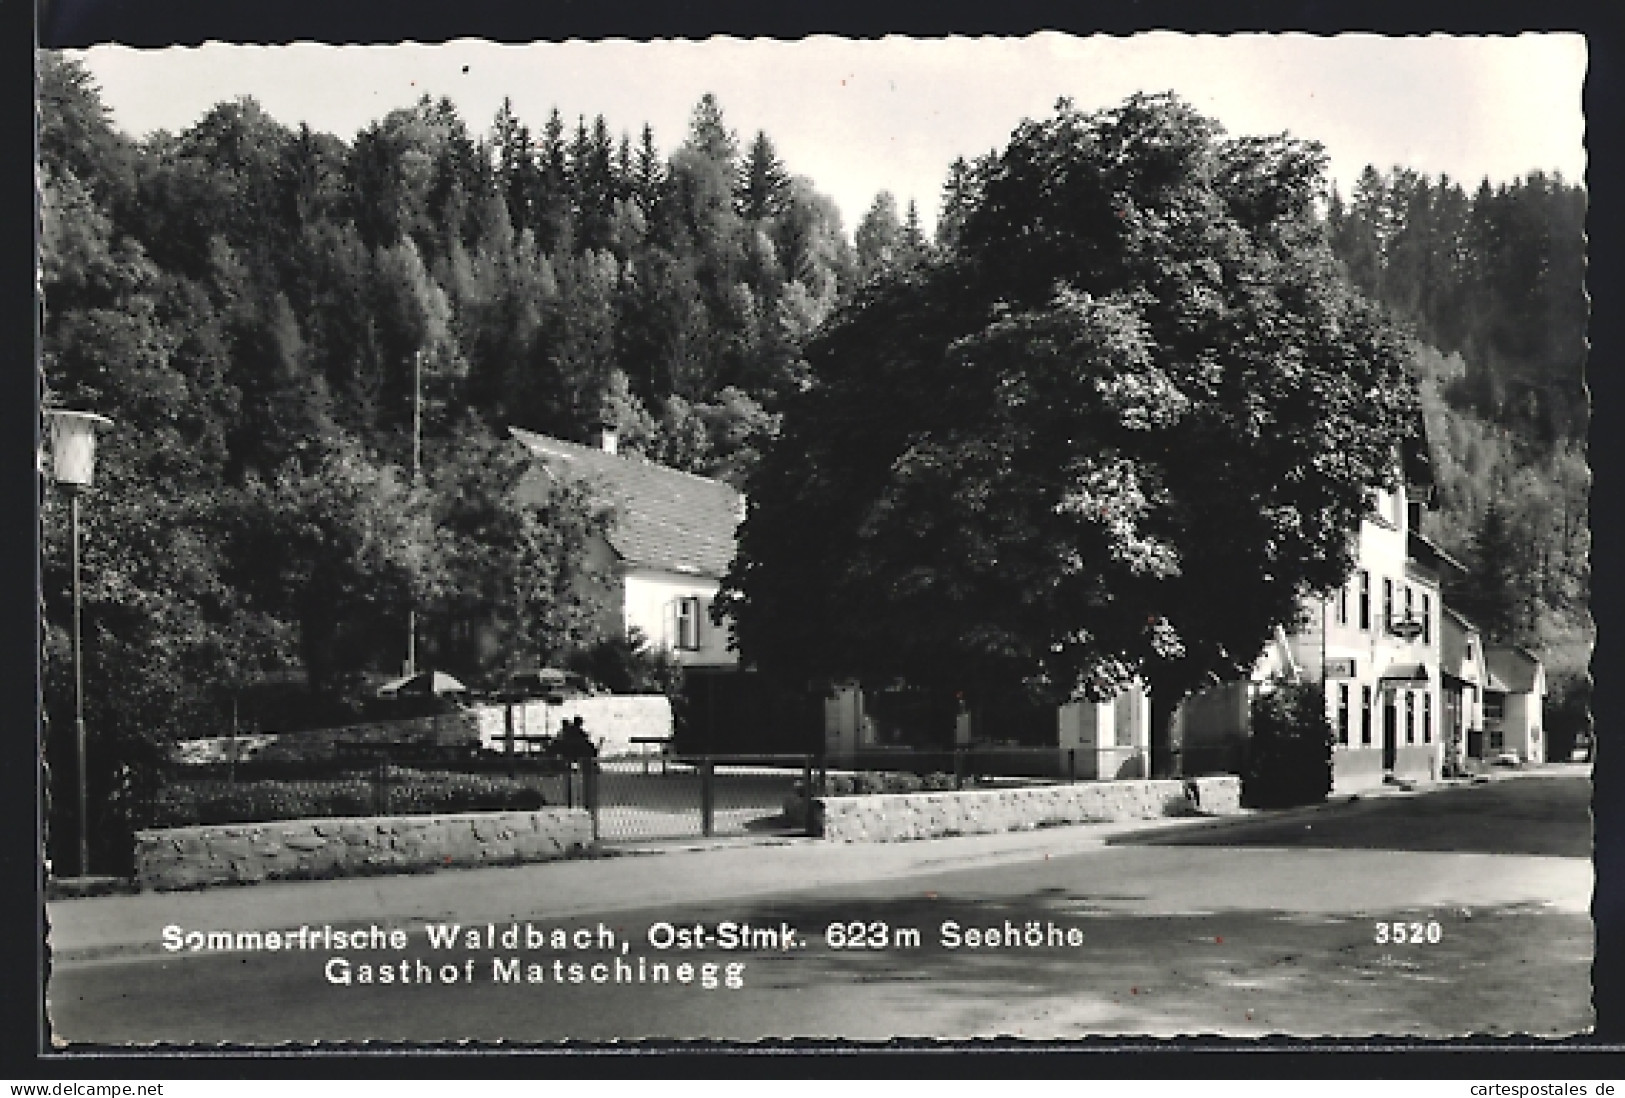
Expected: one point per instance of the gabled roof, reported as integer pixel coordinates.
(1461, 619)
(662, 518)
(1513, 670)
(1453, 633)
(1276, 660)
(1427, 552)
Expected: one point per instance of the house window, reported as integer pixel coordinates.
(688, 624)
(1365, 599)
(1427, 718)
(1387, 603)
(1343, 713)
(1343, 605)
(1494, 707)
(1427, 620)
(1410, 716)
(1365, 716)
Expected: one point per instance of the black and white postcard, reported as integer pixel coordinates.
(861, 540)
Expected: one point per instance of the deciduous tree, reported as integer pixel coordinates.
(1121, 430)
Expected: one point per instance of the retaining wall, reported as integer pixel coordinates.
(191, 857)
(891, 817)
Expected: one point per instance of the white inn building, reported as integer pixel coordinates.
(1374, 644)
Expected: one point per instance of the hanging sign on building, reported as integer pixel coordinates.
(1341, 667)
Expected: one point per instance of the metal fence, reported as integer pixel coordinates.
(699, 796)
(653, 796)
(969, 765)
(631, 798)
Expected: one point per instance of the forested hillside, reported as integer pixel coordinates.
(255, 307)
(1492, 284)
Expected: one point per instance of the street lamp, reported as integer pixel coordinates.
(73, 466)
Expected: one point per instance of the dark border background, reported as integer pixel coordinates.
(154, 23)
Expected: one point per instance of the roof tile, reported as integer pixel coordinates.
(663, 518)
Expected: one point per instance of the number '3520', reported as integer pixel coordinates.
(1400, 933)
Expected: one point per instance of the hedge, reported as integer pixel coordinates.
(410, 793)
(878, 781)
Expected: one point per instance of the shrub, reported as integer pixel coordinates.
(869, 782)
(629, 664)
(1290, 754)
(885, 781)
(903, 782)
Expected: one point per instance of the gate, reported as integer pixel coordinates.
(698, 796)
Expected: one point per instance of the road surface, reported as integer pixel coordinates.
(1441, 914)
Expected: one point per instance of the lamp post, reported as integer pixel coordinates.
(417, 458)
(73, 466)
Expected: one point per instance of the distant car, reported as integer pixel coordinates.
(1507, 758)
(549, 684)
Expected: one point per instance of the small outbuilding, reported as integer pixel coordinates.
(1514, 704)
(1464, 676)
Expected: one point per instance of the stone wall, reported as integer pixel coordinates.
(191, 857)
(1217, 795)
(891, 817)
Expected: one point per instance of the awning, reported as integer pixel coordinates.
(1401, 673)
(421, 685)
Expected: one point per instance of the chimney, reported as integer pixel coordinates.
(606, 439)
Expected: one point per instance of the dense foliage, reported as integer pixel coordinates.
(1122, 423)
(1112, 415)
(395, 789)
(1289, 754)
(266, 313)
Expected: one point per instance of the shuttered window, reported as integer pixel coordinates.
(688, 624)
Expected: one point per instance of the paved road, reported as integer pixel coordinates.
(1531, 814)
(1243, 927)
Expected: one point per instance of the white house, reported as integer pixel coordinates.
(668, 545)
(1375, 646)
(1513, 704)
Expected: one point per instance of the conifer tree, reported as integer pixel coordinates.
(914, 247)
(764, 186)
(879, 238)
(648, 173)
(1493, 585)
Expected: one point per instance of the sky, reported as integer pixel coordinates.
(859, 117)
